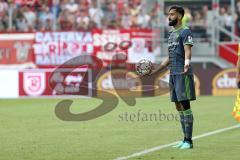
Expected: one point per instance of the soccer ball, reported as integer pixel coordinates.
(144, 67)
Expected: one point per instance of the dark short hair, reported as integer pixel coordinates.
(178, 9)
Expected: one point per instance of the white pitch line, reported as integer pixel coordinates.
(170, 144)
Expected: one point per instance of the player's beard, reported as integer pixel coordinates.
(172, 22)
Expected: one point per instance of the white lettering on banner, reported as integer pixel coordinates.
(69, 84)
(226, 82)
(74, 79)
(55, 48)
(61, 48)
(60, 89)
(102, 39)
(34, 83)
(52, 59)
(82, 37)
(58, 60)
(118, 83)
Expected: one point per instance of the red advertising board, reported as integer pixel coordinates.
(48, 83)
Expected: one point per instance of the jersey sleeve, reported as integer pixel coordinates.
(187, 37)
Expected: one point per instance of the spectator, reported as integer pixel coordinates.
(120, 6)
(135, 9)
(55, 8)
(207, 16)
(45, 18)
(238, 6)
(21, 22)
(229, 21)
(110, 13)
(204, 14)
(64, 22)
(82, 20)
(63, 4)
(143, 19)
(198, 20)
(18, 3)
(92, 25)
(3, 8)
(3, 15)
(30, 16)
(223, 18)
(72, 7)
(95, 14)
(154, 17)
(126, 18)
(31, 3)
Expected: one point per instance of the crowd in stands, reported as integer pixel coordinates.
(47, 15)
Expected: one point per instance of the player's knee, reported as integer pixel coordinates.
(185, 105)
(178, 106)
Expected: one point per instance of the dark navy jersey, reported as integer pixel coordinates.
(176, 41)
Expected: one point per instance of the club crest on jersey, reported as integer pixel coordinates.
(190, 39)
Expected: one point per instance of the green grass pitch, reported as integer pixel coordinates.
(29, 130)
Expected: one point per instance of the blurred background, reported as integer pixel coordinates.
(36, 36)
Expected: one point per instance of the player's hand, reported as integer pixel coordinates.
(186, 67)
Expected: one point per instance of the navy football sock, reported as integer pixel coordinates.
(188, 122)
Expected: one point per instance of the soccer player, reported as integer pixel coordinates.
(236, 109)
(181, 82)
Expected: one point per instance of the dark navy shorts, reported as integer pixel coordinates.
(182, 87)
